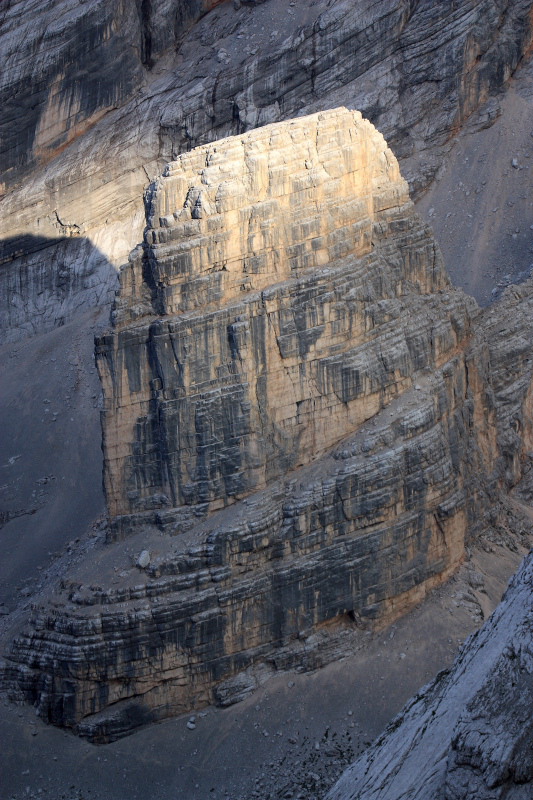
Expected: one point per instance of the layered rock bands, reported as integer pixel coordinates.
(97, 97)
(300, 427)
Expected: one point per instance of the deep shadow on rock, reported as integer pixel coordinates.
(55, 298)
(45, 282)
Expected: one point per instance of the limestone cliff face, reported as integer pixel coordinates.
(269, 247)
(97, 97)
(286, 337)
(468, 734)
(66, 64)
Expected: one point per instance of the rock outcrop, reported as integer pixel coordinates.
(263, 258)
(96, 99)
(468, 734)
(286, 337)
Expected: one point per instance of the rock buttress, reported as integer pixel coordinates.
(295, 429)
(274, 263)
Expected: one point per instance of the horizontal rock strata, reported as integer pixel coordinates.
(299, 430)
(96, 99)
(274, 256)
(468, 734)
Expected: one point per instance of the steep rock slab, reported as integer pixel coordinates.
(468, 734)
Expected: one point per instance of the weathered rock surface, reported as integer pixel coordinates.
(327, 366)
(274, 262)
(469, 733)
(66, 64)
(97, 99)
(45, 282)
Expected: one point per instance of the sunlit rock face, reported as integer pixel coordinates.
(262, 258)
(290, 410)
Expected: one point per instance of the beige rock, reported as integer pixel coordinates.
(266, 246)
(362, 411)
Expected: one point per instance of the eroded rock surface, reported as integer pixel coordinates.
(274, 261)
(286, 337)
(468, 734)
(97, 97)
(67, 64)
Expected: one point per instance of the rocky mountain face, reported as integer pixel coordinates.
(467, 734)
(68, 64)
(304, 422)
(285, 337)
(96, 100)
(264, 352)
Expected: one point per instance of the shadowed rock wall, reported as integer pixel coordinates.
(44, 282)
(66, 64)
(468, 734)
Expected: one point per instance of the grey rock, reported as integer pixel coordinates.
(416, 70)
(467, 734)
(44, 281)
(379, 511)
(144, 559)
